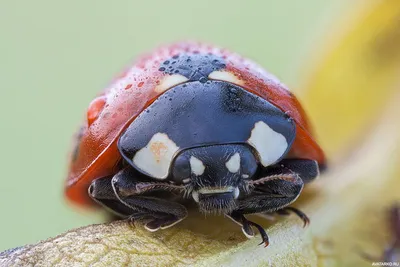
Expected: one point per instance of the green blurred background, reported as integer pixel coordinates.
(56, 55)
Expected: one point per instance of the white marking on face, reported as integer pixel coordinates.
(170, 81)
(197, 166)
(225, 76)
(210, 190)
(186, 181)
(226, 189)
(245, 176)
(155, 158)
(269, 144)
(233, 164)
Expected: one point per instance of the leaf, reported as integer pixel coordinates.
(355, 75)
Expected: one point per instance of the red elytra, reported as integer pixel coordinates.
(96, 154)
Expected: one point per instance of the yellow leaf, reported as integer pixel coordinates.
(355, 77)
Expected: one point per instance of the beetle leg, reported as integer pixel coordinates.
(281, 191)
(101, 191)
(285, 212)
(306, 169)
(271, 193)
(142, 198)
(246, 227)
(243, 222)
(302, 216)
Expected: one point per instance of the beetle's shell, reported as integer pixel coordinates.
(96, 154)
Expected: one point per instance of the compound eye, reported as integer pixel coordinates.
(181, 169)
(248, 165)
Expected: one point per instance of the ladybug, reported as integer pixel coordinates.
(194, 123)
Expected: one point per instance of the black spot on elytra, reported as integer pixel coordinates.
(194, 66)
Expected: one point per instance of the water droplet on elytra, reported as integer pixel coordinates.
(203, 79)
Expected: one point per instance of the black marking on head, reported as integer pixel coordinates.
(195, 67)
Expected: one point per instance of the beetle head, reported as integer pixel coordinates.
(215, 174)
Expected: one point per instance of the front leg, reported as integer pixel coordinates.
(246, 226)
(278, 186)
(272, 192)
(306, 169)
(142, 197)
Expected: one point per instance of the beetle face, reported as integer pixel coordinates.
(215, 174)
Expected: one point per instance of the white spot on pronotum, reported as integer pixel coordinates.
(225, 76)
(233, 164)
(197, 166)
(155, 158)
(170, 81)
(269, 144)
